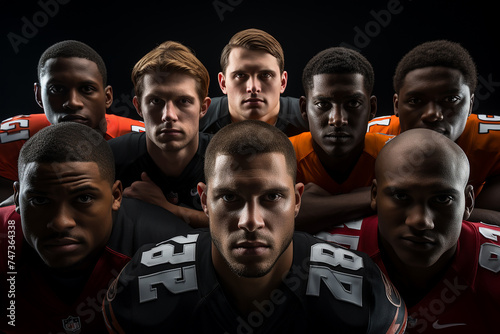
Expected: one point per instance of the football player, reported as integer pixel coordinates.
(447, 269)
(251, 272)
(69, 233)
(435, 84)
(72, 86)
(336, 159)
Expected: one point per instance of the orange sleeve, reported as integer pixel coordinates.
(384, 124)
(118, 126)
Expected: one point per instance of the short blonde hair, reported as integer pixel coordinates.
(171, 56)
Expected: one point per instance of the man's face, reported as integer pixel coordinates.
(436, 98)
(66, 211)
(71, 89)
(171, 110)
(251, 204)
(420, 208)
(338, 109)
(253, 84)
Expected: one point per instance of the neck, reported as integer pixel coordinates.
(173, 162)
(339, 167)
(247, 293)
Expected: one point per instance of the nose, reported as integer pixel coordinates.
(63, 220)
(433, 113)
(253, 85)
(420, 218)
(169, 113)
(74, 102)
(251, 218)
(337, 117)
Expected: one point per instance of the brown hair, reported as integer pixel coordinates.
(171, 57)
(253, 39)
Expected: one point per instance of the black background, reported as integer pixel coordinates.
(122, 32)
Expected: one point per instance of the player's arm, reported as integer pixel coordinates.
(147, 191)
(320, 210)
(487, 205)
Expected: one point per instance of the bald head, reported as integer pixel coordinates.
(422, 151)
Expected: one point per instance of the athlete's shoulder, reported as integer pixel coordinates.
(302, 143)
(119, 125)
(384, 124)
(346, 285)
(374, 141)
(139, 223)
(163, 277)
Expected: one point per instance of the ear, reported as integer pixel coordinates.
(16, 196)
(117, 191)
(38, 94)
(202, 192)
(108, 92)
(395, 102)
(204, 106)
(469, 201)
(471, 104)
(299, 190)
(284, 80)
(137, 106)
(303, 108)
(373, 107)
(222, 82)
(373, 203)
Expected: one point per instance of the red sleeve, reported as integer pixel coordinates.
(14, 132)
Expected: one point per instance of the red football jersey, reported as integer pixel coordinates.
(310, 169)
(15, 131)
(480, 141)
(466, 300)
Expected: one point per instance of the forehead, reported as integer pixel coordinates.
(160, 80)
(245, 59)
(422, 78)
(328, 83)
(251, 169)
(47, 176)
(64, 66)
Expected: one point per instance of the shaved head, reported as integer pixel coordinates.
(421, 150)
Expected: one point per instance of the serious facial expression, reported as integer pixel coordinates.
(253, 84)
(251, 204)
(66, 211)
(436, 98)
(71, 89)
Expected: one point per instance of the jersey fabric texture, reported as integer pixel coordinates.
(173, 287)
(310, 169)
(289, 121)
(480, 141)
(15, 131)
(42, 302)
(132, 158)
(466, 300)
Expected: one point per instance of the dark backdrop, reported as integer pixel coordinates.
(122, 33)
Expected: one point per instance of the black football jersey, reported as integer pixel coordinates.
(173, 288)
(289, 121)
(132, 158)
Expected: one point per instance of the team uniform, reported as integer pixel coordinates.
(480, 141)
(466, 300)
(289, 121)
(310, 168)
(173, 288)
(41, 302)
(15, 131)
(132, 158)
